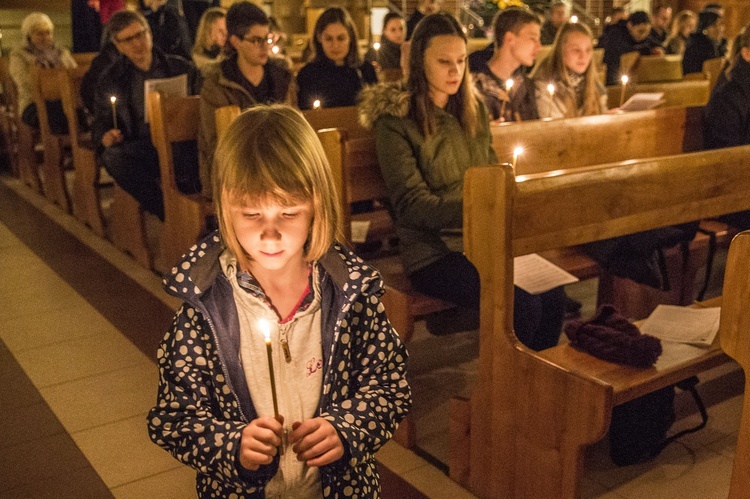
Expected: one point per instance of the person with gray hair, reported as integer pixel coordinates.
(125, 148)
(38, 50)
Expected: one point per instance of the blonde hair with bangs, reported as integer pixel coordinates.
(272, 153)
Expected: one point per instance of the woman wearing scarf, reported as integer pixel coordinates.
(38, 49)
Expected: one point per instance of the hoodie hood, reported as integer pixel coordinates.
(385, 99)
(199, 268)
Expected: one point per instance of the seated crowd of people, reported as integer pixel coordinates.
(430, 126)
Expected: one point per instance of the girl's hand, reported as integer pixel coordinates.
(260, 441)
(112, 137)
(316, 442)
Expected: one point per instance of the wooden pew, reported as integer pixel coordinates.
(176, 119)
(735, 322)
(656, 68)
(569, 143)
(532, 413)
(46, 88)
(685, 93)
(87, 205)
(25, 137)
(712, 70)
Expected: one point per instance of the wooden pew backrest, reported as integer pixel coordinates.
(685, 93)
(535, 411)
(590, 140)
(657, 68)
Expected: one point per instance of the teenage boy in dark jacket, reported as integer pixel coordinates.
(631, 35)
(126, 150)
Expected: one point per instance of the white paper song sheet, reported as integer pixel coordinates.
(359, 230)
(535, 275)
(694, 326)
(643, 101)
(176, 86)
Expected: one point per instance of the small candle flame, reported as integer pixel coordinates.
(265, 328)
(376, 46)
(574, 19)
(275, 49)
(517, 152)
(624, 79)
(509, 84)
(113, 99)
(316, 104)
(551, 89)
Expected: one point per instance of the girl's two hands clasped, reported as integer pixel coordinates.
(315, 441)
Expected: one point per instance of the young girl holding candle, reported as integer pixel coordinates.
(428, 134)
(336, 368)
(567, 83)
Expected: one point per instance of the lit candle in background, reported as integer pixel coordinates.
(376, 46)
(624, 81)
(508, 86)
(265, 328)
(551, 90)
(275, 49)
(516, 153)
(113, 100)
(574, 19)
(316, 104)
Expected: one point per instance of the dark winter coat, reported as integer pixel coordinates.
(424, 175)
(335, 86)
(617, 41)
(698, 49)
(203, 402)
(727, 114)
(117, 80)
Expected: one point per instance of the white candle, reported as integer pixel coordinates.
(516, 153)
(113, 100)
(265, 328)
(551, 90)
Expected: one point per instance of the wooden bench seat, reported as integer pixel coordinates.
(532, 413)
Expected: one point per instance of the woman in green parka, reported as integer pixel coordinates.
(428, 134)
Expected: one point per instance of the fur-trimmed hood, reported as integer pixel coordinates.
(384, 99)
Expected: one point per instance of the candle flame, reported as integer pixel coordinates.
(624, 79)
(574, 19)
(551, 89)
(113, 99)
(517, 151)
(265, 328)
(376, 46)
(509, 84)
(316, 104)
(275, 49)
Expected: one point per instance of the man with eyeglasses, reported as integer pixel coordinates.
(246, 77)
(125, 148)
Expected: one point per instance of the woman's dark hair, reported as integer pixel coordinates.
(463, 104)
(389, 16)
(333, 15)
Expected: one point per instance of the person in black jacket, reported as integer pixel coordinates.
(125, 148)
(704, 43)
(169, 28)
(727, 115)
(631, 35)
(336, 74)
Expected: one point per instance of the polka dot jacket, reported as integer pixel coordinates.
(203, 402)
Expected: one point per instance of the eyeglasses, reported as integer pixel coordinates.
(259, 41)
(130, 39)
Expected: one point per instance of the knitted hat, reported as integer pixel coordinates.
(706, 19)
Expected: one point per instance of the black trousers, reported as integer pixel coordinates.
(134, 165)
(58, 123)
(537, 319)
